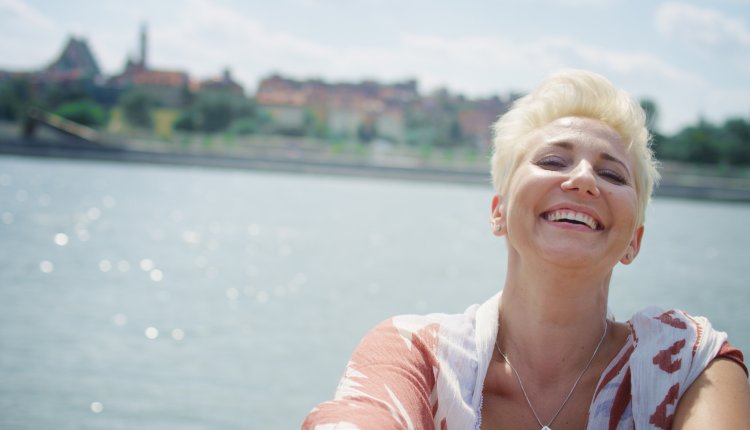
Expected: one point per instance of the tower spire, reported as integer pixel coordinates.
(144, 46)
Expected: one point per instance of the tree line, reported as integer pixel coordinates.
(704, 142)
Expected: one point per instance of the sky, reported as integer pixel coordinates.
(691, 57)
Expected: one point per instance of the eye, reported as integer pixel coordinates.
(613, 177)
(551, 162)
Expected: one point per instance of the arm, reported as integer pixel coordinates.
(386, 385)
(718, 399)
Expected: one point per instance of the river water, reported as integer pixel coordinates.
(134, 296)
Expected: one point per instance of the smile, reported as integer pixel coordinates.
(573, 217)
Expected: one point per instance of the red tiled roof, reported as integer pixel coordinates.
(162, 78)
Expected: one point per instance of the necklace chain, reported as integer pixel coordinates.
(570, 393)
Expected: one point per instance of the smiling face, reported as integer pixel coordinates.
(573, 200)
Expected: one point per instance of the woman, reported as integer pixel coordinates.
(573, 173)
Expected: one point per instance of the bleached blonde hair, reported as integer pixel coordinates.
(578, 93)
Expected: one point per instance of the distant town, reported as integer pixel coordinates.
(364, 111)
(168, 105)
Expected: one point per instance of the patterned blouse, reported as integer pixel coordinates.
(427, 372)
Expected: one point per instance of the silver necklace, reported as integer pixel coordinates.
(570, 393)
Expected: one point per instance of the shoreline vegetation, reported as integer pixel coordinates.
(318, 156)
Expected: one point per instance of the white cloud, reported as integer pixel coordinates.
(22, 14)
(703, 27)
(207, 37)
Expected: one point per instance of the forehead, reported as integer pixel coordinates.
(586, 133)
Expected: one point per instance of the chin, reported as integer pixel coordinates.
(573, 256)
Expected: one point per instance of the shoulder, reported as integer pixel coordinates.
(391, 378)
(671, 350)
(678, 330)
(420, 337)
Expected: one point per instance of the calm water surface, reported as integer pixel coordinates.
(159, 298)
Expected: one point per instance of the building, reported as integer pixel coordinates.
(168, 88)
(342, 109)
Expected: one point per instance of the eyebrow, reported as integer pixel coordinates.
(604, 155)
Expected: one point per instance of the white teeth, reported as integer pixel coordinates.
(572, 216)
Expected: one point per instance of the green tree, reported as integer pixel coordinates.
(737, 134)
(85, 112)
(697, 144)
(57, 95)
(15, 95)
(212, 112)
(136, 106)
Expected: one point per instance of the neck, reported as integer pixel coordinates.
(551, 318)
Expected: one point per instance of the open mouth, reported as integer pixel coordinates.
(572, 217)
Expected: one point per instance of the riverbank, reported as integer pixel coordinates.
(305, 156)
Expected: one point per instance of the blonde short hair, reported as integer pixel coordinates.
(574, 93)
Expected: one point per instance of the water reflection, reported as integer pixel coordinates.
(61, 239)
(46, 266)
(156, 275)
(231, 288)
(178, 334)
(96, 407)
(93, 214)
(151, 332)
(105, 266)
(120, 320)
(123, 266)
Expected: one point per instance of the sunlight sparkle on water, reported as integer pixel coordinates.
(191, 237)
(253, 229)
(262, 297)
(83, 235)
(97, 407)
(147, 264)
(46, 266)
(120, 320)
(93, 214)
(152, 332)
(105, 266)
(156, 275)
(123, 266)
(178, 334)
(233, 293)
(61, 239)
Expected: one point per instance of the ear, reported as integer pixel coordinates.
(633, 247)
(497, 216)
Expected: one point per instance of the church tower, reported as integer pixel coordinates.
(144, 47)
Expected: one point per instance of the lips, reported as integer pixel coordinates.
(573, 217)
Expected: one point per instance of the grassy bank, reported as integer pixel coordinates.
(340, 157)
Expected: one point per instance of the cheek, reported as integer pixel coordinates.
(626, 205)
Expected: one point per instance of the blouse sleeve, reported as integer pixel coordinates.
(731, 353)
(387, 383)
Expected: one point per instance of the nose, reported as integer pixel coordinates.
(582, 179)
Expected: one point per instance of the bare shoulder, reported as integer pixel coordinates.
(719, 398)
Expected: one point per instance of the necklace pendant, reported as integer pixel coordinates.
(546, 428)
